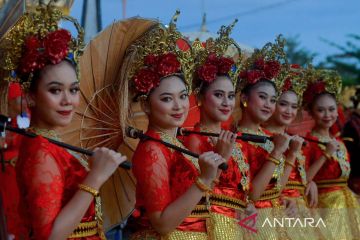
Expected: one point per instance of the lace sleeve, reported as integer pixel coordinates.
(44, 186)
(150, 167)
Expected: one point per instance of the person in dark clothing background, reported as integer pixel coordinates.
(351, 133)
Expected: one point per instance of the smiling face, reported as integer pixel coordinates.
(286, 109)
(218, 100)
(261, 101)
(55, 96)
(168, 104)
(324, 111)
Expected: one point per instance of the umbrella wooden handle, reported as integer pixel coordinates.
(136, 133)
(4, 120)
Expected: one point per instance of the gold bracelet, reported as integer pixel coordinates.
(202, 186)
(290, 164)
(88, 189)
(327, 156)
(216, 181)
(274, 160)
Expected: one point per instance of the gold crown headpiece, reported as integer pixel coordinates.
(269, 62)
(292, 80)
(36, 41)
(220, 56)
(159, 53)
(321, 81)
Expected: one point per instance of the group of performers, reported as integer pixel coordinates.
(179, 196)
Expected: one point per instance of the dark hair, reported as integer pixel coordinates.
(247, 89)
(317, 96)
(203, 85)
(37, 74)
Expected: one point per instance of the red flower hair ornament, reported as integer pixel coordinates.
(52, 49)
(312, 90)
(261, 69)
(288, 81)
(214, 66)
(155, 68)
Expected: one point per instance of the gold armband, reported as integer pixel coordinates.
(274, 160)
(88, 189)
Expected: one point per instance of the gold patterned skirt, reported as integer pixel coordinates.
(266, 229)
(341, 213)
(307, 229)
(174, 235)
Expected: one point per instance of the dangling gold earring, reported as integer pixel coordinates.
(245, 104)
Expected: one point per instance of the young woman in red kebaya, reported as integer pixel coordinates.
(214, 84)
(266, 160)
(328, 160)
(170, 184)
(57, 188)
(294, 182)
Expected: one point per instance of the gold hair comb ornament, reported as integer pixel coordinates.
(36, 41)
(214, 58)
(269, 62)
(159, 53)
(321, 81)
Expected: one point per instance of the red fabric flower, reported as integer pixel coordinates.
(31, 59)
(312, 90)
(213, 66)
(53, 48)
(151, 60)
(243, 74)
(145, 80)
(271, 69)
(207, 72)
(253, 76)
(168, 64)
(212, 59)
(32, 43)
(259, 64)
(287, 85)
(225, 65)
(56, 45)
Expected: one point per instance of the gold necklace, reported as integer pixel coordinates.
(45, 133)
(51, 134)
(250, 131)
(174, 141)
(340, 155)
(212, 140)
(321, 137)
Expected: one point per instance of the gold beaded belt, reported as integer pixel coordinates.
(85, 229)
(295, 185)
(226, 201)
(219, 200)
(269, 195)
(340, 182)
(200, 211)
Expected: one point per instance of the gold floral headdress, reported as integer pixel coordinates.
(269, 62)
(159, 53)
(36, 41)
(321, 81)
(215, 57)
(292, 80)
